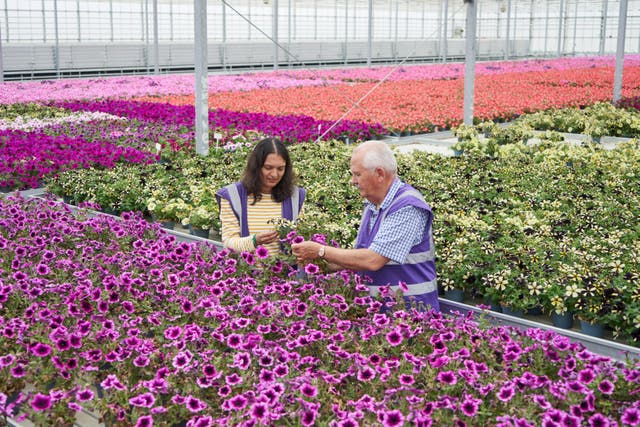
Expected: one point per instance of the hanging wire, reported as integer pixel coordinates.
(354, 104)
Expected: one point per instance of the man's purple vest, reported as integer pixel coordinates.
(236, 195)
(418, 271)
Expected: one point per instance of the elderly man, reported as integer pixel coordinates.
(395, 244)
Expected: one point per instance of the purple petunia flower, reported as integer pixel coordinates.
(41, 402)
(470, 406)
(394, 338)
(144, 421)
(631, 417)
(311, 269)
(238, 402)
(599, 420)
(308, 418)
(447, 377)
(262, 252)
(309, 390)
(506, 392)
(259, 411)
(406, 379)
(392, 418)
(144, 400)
(84, 395)
(195, 405)
(41, 350)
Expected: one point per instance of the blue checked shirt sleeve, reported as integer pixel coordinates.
(399, 232)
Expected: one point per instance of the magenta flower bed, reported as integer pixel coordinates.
(27, 157)
(291, 128)
(120, 318)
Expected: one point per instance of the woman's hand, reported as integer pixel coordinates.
(266, 237)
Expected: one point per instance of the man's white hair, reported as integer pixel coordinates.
(377, 154)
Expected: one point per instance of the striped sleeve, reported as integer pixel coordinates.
(231, 229)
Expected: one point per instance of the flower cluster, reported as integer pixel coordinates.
(119, 318)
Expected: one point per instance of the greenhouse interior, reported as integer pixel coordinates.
(333, 213)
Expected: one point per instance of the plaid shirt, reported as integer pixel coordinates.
(400, 231)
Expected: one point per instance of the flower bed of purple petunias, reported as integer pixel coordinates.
(27, 157)
(293, 128)
(120, 318)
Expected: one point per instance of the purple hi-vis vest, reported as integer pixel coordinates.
(236, 195)
(418, 271)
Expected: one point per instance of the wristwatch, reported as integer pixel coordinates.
(321, 252)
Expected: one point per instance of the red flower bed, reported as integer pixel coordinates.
(421, 104)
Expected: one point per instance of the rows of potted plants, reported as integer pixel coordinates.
(117, 317)
(549, 225)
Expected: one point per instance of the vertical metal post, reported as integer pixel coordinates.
(335, 20)
(546, 30)
(146, 35)
(289, 58)
(274, 33)
(444, 18)
(575, 27)
(78, 20)
(470, 62)
(603, 25)
(395, 33)
(506, 38)
(44, 21)
(622, 27)
(315, 19)
(156, 49)
(531, 23)
(346, 30)
(422, 22)
(560, 24)
(202, 83)
(111, 20)
(224, 35)
(1, 55)
(57, 38)
(390, 19)
(249, 19)
(171, 36)
(6, 21)
(370, 34)
(406, 22)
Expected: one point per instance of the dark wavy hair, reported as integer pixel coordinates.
(252, 178)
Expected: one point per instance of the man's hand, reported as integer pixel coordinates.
(305, 251)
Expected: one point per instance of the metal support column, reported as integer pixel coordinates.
(1, 56)
(224, 36)
(395, 33)
(575, 27)
(346, 31)
(560, 24)
(78, 20)
(603, 26)
(56, 53)
(507, 48)
(274, 33)
(202, 83)
(370, 34)
(444, 15)
(156, 49)
(470, 61)
(622, 27)
(546, 30)
(111, 20)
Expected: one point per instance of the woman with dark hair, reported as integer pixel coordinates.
(266, 193)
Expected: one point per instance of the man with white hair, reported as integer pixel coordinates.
(395, 243)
